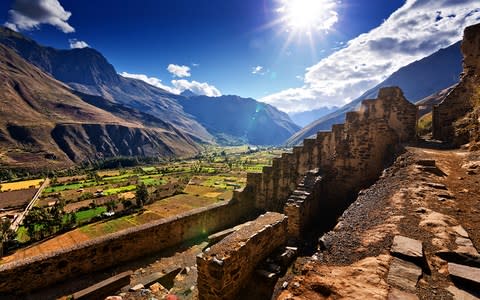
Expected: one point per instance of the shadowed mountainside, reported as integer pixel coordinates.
(43, 123)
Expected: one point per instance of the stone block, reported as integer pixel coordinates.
(407, 248)
(105, 287)
(403, 274)
(465, 274)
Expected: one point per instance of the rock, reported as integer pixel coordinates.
(284, 284)
(426, 162)
(465, 246)
(465, 274)
(114, 298)
(136, 288)
(460, 231)
(403, 274)
(396, 294)
(407, 248)
(439, 186)
(157, 287)
(459, 294)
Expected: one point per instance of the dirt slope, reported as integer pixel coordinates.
(409, 200)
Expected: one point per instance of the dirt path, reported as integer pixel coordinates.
(412, 200)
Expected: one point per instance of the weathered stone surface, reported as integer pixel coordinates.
(396, 294)
(239, 255)
(407, 248)
(465, 246)
(403, 274)
(455, 119)
(136, 287)
(435, 185)
(426, 162)
(460, 294)
(104, 288)
(122, 246)
(469, 275)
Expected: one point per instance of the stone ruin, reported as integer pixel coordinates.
(312, 183)
(456, 118)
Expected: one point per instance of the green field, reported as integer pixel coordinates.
(86, 215)
(119, 190)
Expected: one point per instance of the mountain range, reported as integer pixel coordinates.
(418, 80)
(95, 94)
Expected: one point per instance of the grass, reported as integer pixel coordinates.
(119, 190)
(425, 124)
(153, 181)
(149, 169)
(71, 186)
(87, 215)
(22, 235)
(20, 185)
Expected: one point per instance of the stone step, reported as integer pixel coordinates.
(469, 276)
(407, 248)
(105, 287)
(404, 274)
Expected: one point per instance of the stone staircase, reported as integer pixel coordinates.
(301, 204)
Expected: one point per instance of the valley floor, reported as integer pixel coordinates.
(438, 206)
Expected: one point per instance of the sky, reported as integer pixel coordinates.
(297, 55)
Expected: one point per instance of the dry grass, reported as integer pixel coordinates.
(21, 185)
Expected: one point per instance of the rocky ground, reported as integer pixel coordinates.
(428, 195)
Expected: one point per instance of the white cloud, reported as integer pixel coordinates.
(258, 70)
(30, 14)
(150, 80)
(199, 88)
(76, 44)
(179, 71)
(417, 29)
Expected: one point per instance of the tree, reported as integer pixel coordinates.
(141, 194)
(111, 205)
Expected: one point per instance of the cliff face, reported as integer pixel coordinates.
(456, 119)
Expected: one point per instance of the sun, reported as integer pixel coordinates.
(308, 15)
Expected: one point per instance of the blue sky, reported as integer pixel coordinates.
(221, 42)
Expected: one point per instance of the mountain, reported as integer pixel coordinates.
(306, 117)
(417, 80)
(87, 71)
(232, 119)
(44, 124)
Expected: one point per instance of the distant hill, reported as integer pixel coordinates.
(232, 119)
(306, 117)
(44, 124)
(418, 80)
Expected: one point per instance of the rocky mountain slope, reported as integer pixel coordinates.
(43, 123)
(437, 72)
(235, 119)
(88, 72)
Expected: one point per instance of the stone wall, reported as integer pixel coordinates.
(351, 155)
(226, 266)
(122, 246)
(455, 119)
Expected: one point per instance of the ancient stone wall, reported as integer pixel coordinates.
(122, 246)
(224, 268)
(351, 155)
(455, 119)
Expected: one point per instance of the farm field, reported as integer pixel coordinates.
(173, 188)
(16, 198)
(20, 185)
